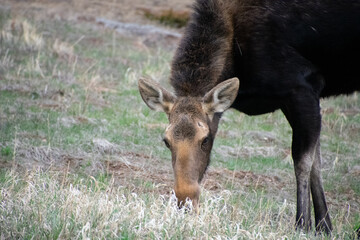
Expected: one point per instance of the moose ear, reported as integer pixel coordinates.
(156, 97)
(221, 97)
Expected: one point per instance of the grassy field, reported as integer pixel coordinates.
(81, 155)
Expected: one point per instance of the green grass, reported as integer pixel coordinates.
(257, 164)
(81, 155)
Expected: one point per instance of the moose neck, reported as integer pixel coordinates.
(204, 56)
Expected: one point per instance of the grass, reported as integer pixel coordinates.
(43, 207)
(169, 18)
(81, 155)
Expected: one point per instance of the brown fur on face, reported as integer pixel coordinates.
(190, 137)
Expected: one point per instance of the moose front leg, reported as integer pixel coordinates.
(302, 164)
(322, 217)
(303, 113)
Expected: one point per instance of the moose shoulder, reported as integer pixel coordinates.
(287, 54)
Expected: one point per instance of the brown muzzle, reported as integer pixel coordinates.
(184, 192)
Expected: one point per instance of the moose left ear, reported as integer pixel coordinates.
(221, 97)
(156, 97)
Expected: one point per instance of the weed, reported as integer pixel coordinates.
(6, 151)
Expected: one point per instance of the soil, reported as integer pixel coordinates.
(130, 166)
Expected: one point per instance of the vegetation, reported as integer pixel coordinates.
(81, 154)
(169, 17)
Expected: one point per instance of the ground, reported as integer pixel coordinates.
(124, 10)
(69, 108)
(130, 12)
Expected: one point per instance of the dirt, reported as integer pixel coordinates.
(135, 171)
(130, 166)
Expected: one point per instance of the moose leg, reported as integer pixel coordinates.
(303, 113)
(322, 217)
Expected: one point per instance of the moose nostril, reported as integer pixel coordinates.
(187, 196)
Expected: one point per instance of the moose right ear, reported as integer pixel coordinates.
(156, 97)
(221, 97)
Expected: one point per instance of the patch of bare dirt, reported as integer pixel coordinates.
(134, 171)
(129, 166)
(28, 157)
(217, 177)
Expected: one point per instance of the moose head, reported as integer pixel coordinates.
(193, 123)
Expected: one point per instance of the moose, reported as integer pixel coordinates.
(258, 56)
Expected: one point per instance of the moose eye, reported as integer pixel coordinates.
(205, 142)
(166, 143)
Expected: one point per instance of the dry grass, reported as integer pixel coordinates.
(45, 205)
(21, 31)
(41, 205)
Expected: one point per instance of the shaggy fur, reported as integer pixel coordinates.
(287, 54)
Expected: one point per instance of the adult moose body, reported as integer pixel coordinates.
(287, 54)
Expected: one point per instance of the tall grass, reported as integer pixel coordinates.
(40, 205)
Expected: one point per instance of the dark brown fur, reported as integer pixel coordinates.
(287, 54)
